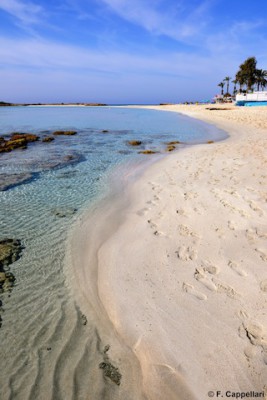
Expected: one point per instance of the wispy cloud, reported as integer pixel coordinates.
(180, 21)
(27, 13)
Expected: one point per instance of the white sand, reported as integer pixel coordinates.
(178, 266)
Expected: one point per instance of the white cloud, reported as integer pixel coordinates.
(26, 13)
(179, 22)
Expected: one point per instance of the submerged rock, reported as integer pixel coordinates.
(17, 141)
(48, 139)
(134, 142)
(147, 152)
(173, 142)
(64, 212)
(29, 137)
(10, 251)
(108, 368)
(66, 133)
(8, 181)
(170, 147)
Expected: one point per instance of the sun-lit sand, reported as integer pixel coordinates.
(176, 267)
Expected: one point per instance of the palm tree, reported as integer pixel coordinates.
(247, 71)
(234, 82)
(261, 74)
(240, 80)
(221, 84)
(227, 80)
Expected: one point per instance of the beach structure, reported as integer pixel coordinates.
(252, 99)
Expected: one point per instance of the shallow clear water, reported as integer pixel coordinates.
(43, 339)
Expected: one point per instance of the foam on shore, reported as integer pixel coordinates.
(174, 269)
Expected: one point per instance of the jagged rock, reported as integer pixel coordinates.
(170, 147)
(66, 133)
(134, 142)
(109, 370)
(10, 251)
(147, 152)
(48, 139)
(29, 137)
(9, 145)
(173, 142)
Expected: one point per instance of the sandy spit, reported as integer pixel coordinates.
(176, 269)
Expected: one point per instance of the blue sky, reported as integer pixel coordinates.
(125, 51)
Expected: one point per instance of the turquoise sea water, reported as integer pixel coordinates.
(66, 176)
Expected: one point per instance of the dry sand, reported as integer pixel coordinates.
(176, 269)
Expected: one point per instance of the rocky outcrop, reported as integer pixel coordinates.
(48, 139)
(16, 141)
(147, 152)
(66, 133)
(29, 137)
(10, 251)
(134, 142)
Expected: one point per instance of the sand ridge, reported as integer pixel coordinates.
(183, 277)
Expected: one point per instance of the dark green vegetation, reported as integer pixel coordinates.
(248, 77)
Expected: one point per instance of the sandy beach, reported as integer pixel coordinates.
(175, 268)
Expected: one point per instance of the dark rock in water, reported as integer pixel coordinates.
(108, 368)
(66, 133)
(147, 152)
(111, 372)
(9, 145)
(67, 174)
(8, 181)
(10, 251)
(125, 152)
(29, 137)
(64, 212)
(134, 142)
(60, 161)
(173, 142)
(48, 139)
(170, 147)
(17, 141)
(104, 131)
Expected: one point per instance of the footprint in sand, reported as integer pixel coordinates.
(186, 253)
(254, 206)
(225, 288)
(142, 212)
(263, 285)
(262, 254)
(236, 267)
(232, 226)
(209, 267)
(257, 337)
(184, 230)
(190, 195)
(191, 290)
(204, 279)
